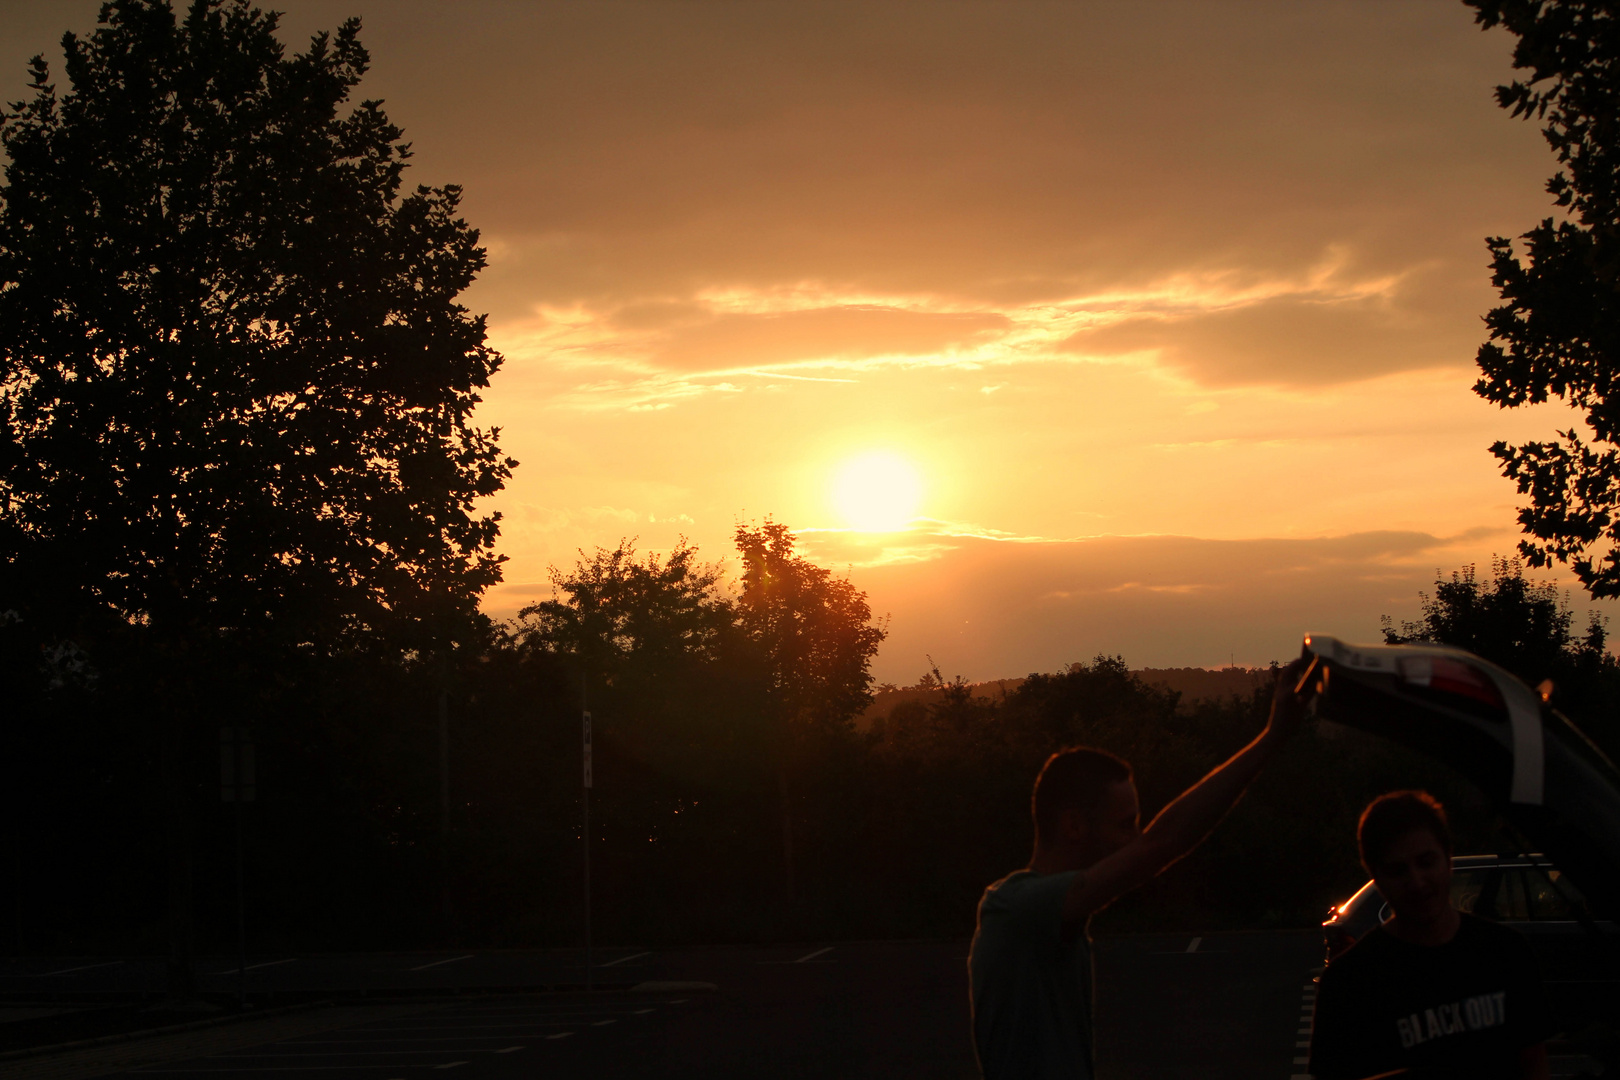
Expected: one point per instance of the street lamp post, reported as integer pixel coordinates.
(586, 804)
(237, 785)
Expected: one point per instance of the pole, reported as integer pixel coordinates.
(238, 783)
(241, 914)
(585, 719)
(445, 909)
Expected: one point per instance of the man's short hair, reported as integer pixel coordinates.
(1392, 816)
(1075, 778)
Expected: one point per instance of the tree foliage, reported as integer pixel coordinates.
(236, 385)
(1557, 333)
(816, 630)
(1528, 628)
(899, 821)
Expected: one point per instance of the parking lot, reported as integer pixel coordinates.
(1213, 1006)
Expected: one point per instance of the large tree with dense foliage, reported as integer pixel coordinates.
(816, 639)
(236, 384)
(1557, 332)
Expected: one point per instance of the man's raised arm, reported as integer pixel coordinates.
(1179, 827)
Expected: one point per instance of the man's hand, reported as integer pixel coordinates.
(1289, 699)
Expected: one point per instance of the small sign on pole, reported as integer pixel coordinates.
(236, 771)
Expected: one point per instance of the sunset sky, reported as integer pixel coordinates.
(1147, 328)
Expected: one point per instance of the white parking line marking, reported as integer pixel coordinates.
(1307, 1023)
(812, 956)
(255, 967)
(678, 1001)
(560, 1035)
(643, 1012)
(86, 967)
(425, 1038)
(476, 1027)
(622, 959)
(1192, 946)
(333, 1053)
(436, 963)
(603, 1023)
(450, 1065)
(509, 1050)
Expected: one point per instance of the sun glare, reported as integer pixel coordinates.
(877, 492)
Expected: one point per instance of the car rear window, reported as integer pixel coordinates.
(1551, 895)
(1466, 888)
(1511, 905)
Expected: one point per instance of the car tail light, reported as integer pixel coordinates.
(1451, 677)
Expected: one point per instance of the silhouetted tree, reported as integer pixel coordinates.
(1528, 628)
(671, 677)
(236, 385)
(1557, 334)
(816, 637)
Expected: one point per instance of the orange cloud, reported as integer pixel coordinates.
(845, 332)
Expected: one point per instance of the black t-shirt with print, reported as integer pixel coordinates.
(1465, 1008)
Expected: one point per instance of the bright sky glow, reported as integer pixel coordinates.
(877, 492)
(1177, 301)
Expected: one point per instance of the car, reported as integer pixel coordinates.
(1538, 769)
(1546, 778)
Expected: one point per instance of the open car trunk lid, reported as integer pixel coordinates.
(1541, 771)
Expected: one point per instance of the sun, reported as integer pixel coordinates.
(877, 492)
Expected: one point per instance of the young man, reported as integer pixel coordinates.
(1030, 964)
(1433, 990)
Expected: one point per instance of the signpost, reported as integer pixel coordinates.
(587, 835)
(238, 785)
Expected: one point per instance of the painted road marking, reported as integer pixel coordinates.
(449, 1064)
(255, 967)
(335, 1053)
(643, 1012)
(678, 1001)
(623, 959)
(812, 956)
(1192, 946)
(509, 1050)
(480, 1027)
(86, 967)
(560, 1035)
(604, 1023)
(425, 1038)
(1307, 1021)
(436, 963)
(237, 1070)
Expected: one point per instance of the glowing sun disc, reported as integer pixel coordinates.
(877, 492)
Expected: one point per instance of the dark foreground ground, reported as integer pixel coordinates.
(1220, 1006)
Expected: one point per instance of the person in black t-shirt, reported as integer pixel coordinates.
(1434, 991)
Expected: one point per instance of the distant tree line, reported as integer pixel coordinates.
(732, 802)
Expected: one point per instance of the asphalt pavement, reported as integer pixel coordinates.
(1169, 1006)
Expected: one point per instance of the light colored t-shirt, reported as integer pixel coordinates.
(1031, 989)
